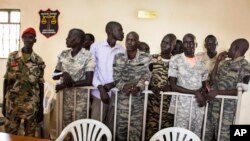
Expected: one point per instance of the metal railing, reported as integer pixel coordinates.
(146, 92)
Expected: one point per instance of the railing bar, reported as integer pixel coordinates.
(237, 113)
(115, 115)
(101, 115)
(221, 115)
(129, 115)
(88, 103)
(74, 105)
(60, 109)
(205, 122)
(144, 115)
(161, 107)
(175, 110)
(190, 113)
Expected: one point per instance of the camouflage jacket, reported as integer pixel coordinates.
(231, 72)
(159, 71)
(135, 71)
(24, 77)
(76, 66)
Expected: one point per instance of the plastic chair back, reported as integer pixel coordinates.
(86, 130)
(174, 134)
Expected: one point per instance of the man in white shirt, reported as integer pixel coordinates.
(104, 53)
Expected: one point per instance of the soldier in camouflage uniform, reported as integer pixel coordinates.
(159, 82)
(130, 73)
(77, 65)
(187, 75)
(23, 88)
(226, 74)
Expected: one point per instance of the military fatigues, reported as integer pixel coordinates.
(229, 73)
(159, 79)
(76, 66)
(130, 72)
(24, 73)
(190, 78)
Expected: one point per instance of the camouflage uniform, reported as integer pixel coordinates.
(229, 73)
(24, 73)
(190, 78)
(159, 79)
(76, 66)
(130, 72)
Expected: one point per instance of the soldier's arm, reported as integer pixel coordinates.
(117, 73)
(221, 56)
(86, 82)
(177, 88)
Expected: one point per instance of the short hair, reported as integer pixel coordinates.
(135, 34)
(189, 35)
(80, 33)
(242, 45)
(210, 36)
(171, 36)
(110, 25)
(91, 36)
(179, 41)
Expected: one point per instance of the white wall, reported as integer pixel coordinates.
(226, 19)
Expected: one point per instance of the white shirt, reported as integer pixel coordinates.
(104, 57)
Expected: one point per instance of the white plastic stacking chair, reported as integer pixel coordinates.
(178, 134)
(86, 130)
(48, 105)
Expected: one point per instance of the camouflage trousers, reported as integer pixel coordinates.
(183, 113)
(213, 115)
(153, 114)
(74, 99)
(25, 128)
(21, 118)
(136, 117)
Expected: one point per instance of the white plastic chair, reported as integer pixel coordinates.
(48, 106)
(86, 130)
(178, 134)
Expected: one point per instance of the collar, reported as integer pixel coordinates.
(136, 56)
(238, 59)
(32, 56)
(106, 44)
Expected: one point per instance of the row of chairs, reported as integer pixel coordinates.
(93, 130)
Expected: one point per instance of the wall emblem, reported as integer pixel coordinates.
(48, 22)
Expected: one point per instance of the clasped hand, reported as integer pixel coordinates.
(130, 89)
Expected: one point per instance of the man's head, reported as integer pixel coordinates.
(132, 41)
(189, 44)
(144, 47)
(238, 48)
(178, 49)
(29, 37)
(114, 30)
(89, 39)
(75, 38)
(210, 45)
(167, 44)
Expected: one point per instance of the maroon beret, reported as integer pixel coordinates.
(29, 30)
